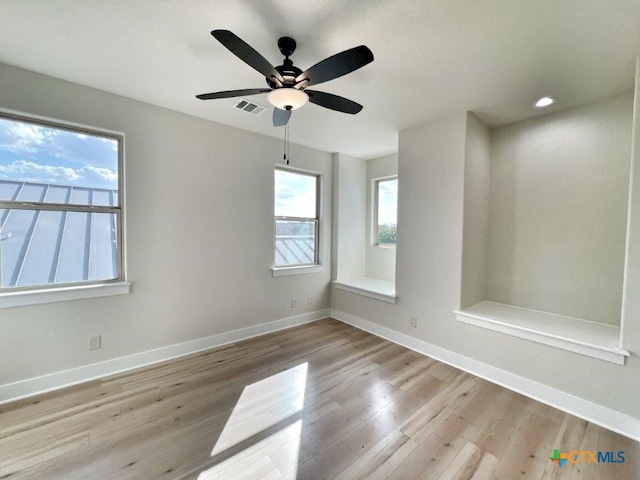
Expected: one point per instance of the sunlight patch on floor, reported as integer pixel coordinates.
(263, 405)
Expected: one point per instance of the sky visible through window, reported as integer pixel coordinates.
(46, 155)
(295, 194)
(388, 202)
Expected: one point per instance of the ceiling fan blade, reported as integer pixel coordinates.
(281, 117)
(246, 53)
(334, 102)
(232, 93)
(337, 65)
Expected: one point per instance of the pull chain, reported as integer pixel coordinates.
(285, 156)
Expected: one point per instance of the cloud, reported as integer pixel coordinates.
(25, 137)
(284, 192)
(87, 176)
(388, 187)
(297, 205)
(291, 203)
(31, 172)
(36, 142)
(103, 174)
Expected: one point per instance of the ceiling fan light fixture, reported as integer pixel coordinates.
(545, 102)
(287, 98)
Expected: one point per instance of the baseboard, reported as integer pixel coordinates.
(605, 417)
(54, 381)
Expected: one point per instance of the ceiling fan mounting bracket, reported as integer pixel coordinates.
(287, 46)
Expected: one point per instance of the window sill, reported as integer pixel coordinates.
(382, 290)
(593, 339)
(62, 294)
(285, 271)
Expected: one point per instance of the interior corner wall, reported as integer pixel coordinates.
(630, 326)
(380, 262)
(431, 165)
(476, 212)
(350, 209)
(199, 234)
(558, 210)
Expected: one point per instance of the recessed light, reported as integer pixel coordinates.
(545, 102)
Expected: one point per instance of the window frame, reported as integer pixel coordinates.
(34, 294)
(376, 207)
(301, 268)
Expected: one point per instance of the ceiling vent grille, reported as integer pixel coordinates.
(249, 107)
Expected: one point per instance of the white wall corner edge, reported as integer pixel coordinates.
(54, 381)
(597, 414)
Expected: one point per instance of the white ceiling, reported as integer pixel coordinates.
(432, 57)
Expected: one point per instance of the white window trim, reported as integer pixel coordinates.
(374, 210)
(35, 295)
(62, 294)
(317, 267)
(296, 270)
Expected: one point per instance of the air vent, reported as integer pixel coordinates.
(249, 107)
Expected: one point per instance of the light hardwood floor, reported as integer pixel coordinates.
(323, 400)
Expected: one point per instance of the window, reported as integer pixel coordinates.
(297, 200)
(60, 205)
(385, 211)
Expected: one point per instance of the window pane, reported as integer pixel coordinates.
(387, 211)
(295, 243)
(295, 194)
(34, 157)
(41, 247)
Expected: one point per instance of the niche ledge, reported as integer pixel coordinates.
(382, 290)
(593, 339)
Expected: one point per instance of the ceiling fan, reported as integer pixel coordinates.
(287, 83)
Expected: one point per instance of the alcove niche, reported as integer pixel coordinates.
(359, 264)
(545, 222)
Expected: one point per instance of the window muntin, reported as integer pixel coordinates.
(60, 205)
(385, 211)
(296, 208)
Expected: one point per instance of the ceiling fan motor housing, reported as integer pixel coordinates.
(289, 73)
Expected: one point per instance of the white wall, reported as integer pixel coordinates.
(432, 166)
(476, 212)
(380, 262)
(558, 211)
(349, 204)
(199, 226)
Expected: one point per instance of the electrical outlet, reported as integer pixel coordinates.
(413, 321)
(294, 302)
(95, 342)
(309, 300)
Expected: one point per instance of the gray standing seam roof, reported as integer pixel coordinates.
(295, 249)
(39, 247)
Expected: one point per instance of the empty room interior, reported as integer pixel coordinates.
(323, 239)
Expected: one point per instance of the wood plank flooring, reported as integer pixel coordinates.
(319, 401)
